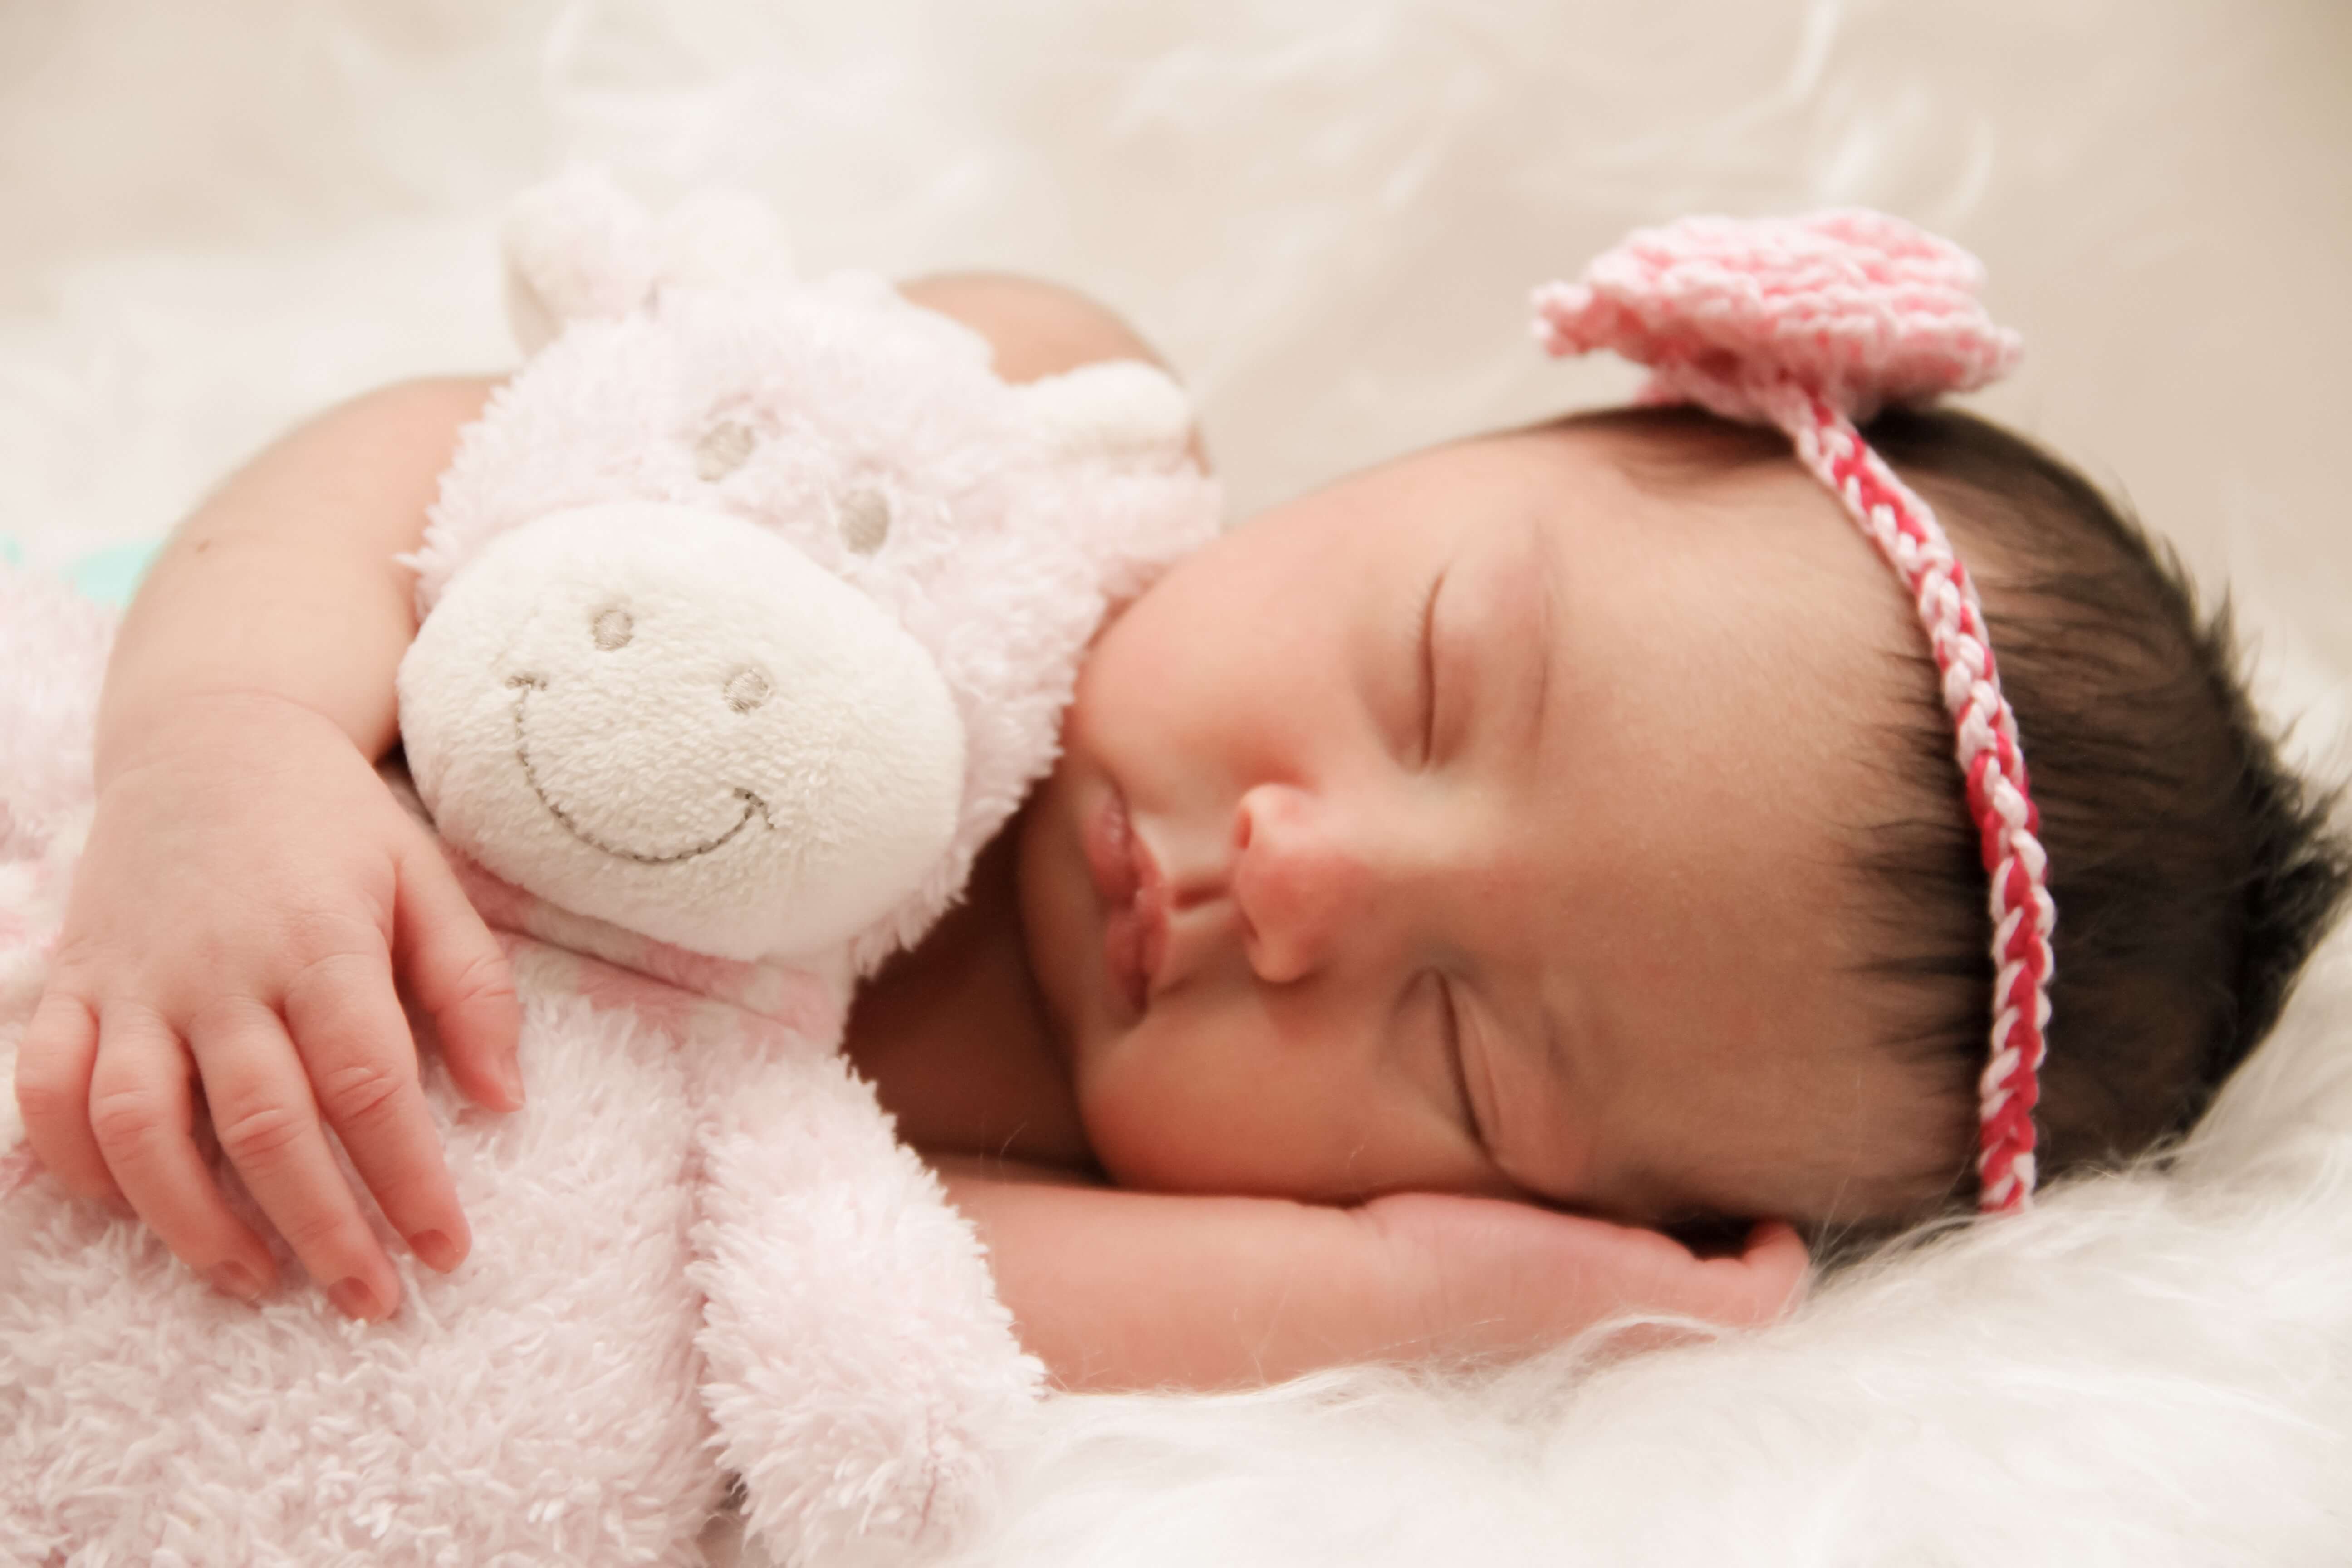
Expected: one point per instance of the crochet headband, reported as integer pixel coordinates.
(1813, 324)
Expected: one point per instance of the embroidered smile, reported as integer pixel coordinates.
(524, 685)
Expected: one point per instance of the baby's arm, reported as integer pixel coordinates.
(249, 889)
(1116, 1289)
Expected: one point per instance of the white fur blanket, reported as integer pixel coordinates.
(2150, 1370)
(1328, 212)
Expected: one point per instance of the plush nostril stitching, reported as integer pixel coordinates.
(746, 689)
(613, 628)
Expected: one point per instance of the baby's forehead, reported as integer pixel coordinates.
(1718, 534)
(1734, 669)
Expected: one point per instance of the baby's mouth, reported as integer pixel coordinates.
(1135, 915)
(524, 685)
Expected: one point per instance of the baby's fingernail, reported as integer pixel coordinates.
(236, 1279)
(510, 1081)
(352, 1299)
(436, 1248)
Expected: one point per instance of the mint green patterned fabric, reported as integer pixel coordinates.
(109, 576)
(113, 575)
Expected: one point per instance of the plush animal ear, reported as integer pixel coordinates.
(1122, 410)
(578, 245)
(581, 246)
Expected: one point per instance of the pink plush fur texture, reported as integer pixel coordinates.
(832, 414)
(699, 1251)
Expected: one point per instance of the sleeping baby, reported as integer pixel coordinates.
(1524, 882)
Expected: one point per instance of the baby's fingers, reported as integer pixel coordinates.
(268, 1127)
(53, 1066)
(140, 1117)
(1768, 1277)
(461, 978)
(355, 1044)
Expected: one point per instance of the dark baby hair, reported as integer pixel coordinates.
(2192, 870)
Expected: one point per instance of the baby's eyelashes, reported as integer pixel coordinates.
(1428, 668)
(1446, 1011)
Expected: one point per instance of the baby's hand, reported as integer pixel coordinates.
(247, 889)
(1490, 1276)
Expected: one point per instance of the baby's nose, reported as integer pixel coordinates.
(1298, 883)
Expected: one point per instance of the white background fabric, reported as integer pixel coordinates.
(214, 218)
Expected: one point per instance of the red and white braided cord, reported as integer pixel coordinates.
(1904, 528)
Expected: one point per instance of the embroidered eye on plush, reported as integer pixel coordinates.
(613, 628)
(723, 448)
(863, 517)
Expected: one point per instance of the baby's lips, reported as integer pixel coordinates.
(1107, 839)
(1151, 923)
(1134, 894)
(1123, 957)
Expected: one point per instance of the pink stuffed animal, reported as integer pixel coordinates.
(750, 608)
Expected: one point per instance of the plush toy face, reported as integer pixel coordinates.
(670, 719)
(751, 604)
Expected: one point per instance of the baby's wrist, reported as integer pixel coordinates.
(1407, 1275)
(190, 726)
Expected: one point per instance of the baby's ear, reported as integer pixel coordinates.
(577, 246)
(1122, 410)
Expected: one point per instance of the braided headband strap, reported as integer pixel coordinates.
(1813, 324)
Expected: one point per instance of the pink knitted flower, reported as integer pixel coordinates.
(1861, 307)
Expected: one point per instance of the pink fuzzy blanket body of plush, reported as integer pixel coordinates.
(578, 1390)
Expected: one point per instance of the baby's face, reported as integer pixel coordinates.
(1476, 823)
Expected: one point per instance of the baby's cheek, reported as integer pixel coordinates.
(1191, 1106)
(1149, 1125)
